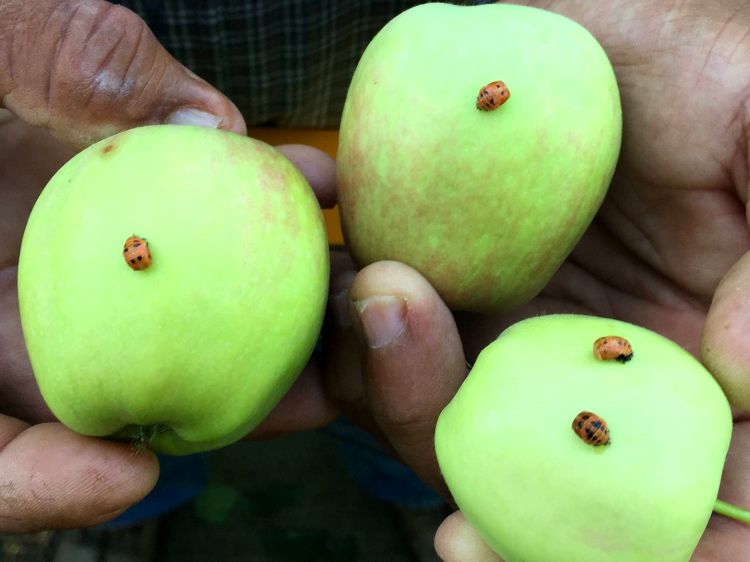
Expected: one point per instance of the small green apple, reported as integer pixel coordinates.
(485, 204)
(192, 352)
(536, 491)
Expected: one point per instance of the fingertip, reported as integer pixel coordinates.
(64, 480)
(431, 326)
(318, 167)
(10, 428)
(389, 300)
(232, 121)
(457, 541)
(724, 341)
(104, 464)
(412, 359)
(391, 278)
(214, 102)
(305, 407)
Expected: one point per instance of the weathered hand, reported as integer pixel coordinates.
(71, 73)
(666, 238)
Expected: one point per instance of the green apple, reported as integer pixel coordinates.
(536, 491)
(192, 352)
(485, 204)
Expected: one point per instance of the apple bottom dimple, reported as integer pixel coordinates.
(162, 438)
(141, 436)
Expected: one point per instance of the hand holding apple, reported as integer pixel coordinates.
(537, 489)
(90, 479)
(485, 204)
(192, 347)
(52, 476)
(669, 229)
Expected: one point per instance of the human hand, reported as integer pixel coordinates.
(53, 477)
(83, 70)
(663, 243)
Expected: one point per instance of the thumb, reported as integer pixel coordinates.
(457, 541)
(54, 478)
(412, 360)
(86, 69)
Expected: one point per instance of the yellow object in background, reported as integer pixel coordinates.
(324, 139)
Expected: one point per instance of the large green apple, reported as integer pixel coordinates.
(193, 351)
(536, 492)
(485, 204)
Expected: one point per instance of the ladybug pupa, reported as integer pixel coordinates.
(136, 253)
(492, 96)
(608, 348)
(591, 429)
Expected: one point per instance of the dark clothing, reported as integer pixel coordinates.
(285, 63)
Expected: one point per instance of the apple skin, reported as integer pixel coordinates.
(193, 352)
(485, 204)
(537, 492)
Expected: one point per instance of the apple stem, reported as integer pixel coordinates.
(732, 511)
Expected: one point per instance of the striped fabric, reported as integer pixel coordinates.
(285, 63)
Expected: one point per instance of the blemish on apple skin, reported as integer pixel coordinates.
(108, 148)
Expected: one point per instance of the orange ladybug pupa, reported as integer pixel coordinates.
(492, 96)
(591, 428)
(136, 253)
(608, 348)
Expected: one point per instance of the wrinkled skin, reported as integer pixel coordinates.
(85, 480)
(671, 227)
(52, 477)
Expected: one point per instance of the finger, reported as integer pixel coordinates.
(342, 363)
(726, 334)
(412, 359)
(87, 69)
(318, 168)
(305, 407)
(54, 478)
(457, 541)
(29, 156)
(19, 393)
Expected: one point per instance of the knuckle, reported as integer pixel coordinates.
(413, 427)
(114, 56)
(73, 55)
(97, 56)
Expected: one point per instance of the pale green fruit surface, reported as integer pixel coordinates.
(536, 492)
(485, 204)
(207, 339)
